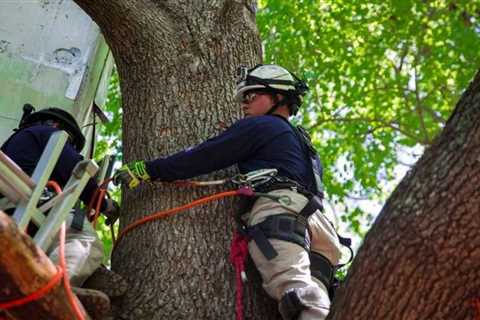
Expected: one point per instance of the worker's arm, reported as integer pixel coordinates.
(237, 143)
(63, 170)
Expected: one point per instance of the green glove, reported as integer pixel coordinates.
(131, 174)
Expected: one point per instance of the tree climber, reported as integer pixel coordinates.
(83, 248)
(297, 262)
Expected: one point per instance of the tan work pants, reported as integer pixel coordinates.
(83, 252)
(290, 269)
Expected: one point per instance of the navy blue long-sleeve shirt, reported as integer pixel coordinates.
(26, 146)
(253, 143)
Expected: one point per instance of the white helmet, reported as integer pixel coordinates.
(270, 77)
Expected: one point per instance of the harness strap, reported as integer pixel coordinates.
(278, 182)
(289, 228)
(258, 235)
(313, 204)
(284, 227)
(78, 218)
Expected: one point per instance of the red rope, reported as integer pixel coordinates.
(36, 295)
(66, 283)
(96, 201)
(238, 254)
(61, 274)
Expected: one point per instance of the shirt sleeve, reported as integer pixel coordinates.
(238, 142)
(63, 170)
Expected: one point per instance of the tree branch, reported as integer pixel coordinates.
(24, 269)
(383, 124)
(418, 108)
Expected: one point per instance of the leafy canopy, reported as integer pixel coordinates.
(384, 77)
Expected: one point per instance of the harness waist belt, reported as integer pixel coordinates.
(277, 183)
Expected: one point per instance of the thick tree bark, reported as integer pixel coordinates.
(24, 269)
(421, 258)
(176, 61)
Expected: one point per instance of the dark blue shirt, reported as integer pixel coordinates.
(26, 146)
(254, 143)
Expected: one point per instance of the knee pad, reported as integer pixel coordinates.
(321, 268)
(291, 305)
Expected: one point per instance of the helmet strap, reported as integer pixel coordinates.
(277, 103)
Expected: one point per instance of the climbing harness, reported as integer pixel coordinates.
(246, 187)
(286, 227)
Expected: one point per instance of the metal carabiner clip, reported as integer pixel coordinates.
(250, 178)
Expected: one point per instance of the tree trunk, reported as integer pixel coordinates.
(24, 269)
(176, 62)
(421, 258)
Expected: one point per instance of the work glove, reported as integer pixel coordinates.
(131, 174)
(111, 212)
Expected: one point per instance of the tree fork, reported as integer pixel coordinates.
(24, 269)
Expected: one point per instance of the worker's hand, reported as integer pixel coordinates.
(131, 174)
(111, 212)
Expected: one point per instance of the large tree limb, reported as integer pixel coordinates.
(421, 258)
(24, 269)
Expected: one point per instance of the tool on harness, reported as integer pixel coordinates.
(255, 180)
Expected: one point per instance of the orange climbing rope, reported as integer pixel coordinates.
(239, 248)
(96, 201)
(66, 283)
(170, 212)
(61, 273)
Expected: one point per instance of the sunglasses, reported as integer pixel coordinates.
(249, 97)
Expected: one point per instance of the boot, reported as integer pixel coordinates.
(95, 302)
(107, 281)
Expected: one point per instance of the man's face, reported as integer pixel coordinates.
(256, 103)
